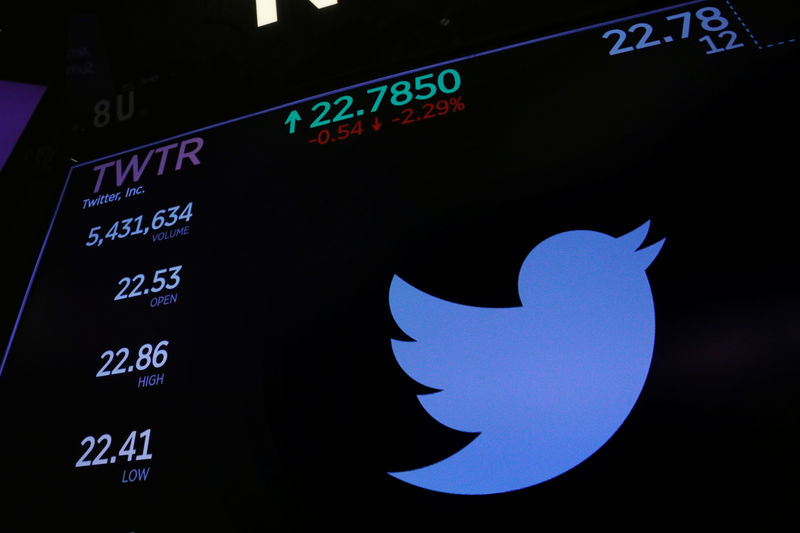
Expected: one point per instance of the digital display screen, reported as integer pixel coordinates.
(550, 282)
(17, 103)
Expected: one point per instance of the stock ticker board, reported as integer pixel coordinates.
(549, 283)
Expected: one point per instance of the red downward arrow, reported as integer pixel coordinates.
(377, 124)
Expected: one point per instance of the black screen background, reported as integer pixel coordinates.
(283, 406)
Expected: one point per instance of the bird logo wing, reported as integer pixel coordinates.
(449, 352)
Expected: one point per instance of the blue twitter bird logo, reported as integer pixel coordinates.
(546, 384)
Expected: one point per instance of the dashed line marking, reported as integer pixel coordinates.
(753, 37)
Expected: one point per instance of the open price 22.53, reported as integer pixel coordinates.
(160, 282)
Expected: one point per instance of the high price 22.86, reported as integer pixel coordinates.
(148, 356)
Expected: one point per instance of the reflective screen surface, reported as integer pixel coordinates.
(549, 278)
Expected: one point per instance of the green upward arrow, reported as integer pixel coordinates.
(294, 116)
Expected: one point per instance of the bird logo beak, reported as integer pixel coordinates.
(634, 239)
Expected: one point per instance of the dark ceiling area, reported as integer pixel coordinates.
(193, 63)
